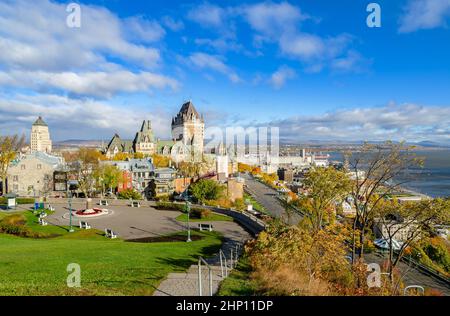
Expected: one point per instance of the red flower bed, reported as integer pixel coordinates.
(89, 211)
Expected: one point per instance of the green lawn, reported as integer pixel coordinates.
(211, 218)
(256, 206)
(108, 267)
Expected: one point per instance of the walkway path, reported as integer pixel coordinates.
(267, 197)
(186, 284)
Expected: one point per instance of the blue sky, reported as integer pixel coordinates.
(313, 68)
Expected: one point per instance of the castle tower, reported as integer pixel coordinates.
(40, 137)
(144, 142)
(188, 128)
(221, 163)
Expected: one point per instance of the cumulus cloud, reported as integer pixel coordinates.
(408, 122)
(279, 77)
(86, 117)
(208, 15)
(271, 19)
(424, 14)
(143, 30)
(34, 35)
(212, 62)
(40, 52)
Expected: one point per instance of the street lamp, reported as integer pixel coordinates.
(71, 230)
(187, 208)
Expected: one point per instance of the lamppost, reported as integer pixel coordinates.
(187, 208)
(70, 211)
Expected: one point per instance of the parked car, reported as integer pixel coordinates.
(384, 244)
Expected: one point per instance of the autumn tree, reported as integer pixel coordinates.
(160, 161)
(193, 169)
(9, 147)
(107, 176)
(121, 156)
(289, 260)
(84, 166)
(242, 167)
(206, 189)
(326, 187)
(375, 171)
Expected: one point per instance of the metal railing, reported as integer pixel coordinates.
(200, 288)
(223, 264)
(425, 269)
(420, 288)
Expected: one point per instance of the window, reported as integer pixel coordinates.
(22, 167)
(15, 178)
(39, 166)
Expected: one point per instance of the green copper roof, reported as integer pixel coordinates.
(40, 122)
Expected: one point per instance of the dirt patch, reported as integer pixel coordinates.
(164, 239)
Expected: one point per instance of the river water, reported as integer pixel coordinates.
(433, 179)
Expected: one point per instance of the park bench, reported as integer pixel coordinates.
(84, 225)
(135, 204)
(207, 227)
(42, 222)
(42, 215)
(51, 208)
(110, 234)
(103, 203)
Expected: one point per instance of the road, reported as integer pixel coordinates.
(267, 197)
(411, 275)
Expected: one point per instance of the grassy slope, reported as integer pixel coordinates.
(256, 206)
(108, 267)
(238, 282)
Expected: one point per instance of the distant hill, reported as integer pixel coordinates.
(78, 143)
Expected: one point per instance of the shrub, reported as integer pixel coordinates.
(129, 194)
(16, 225)
(438, 252)
(200, 213)
(239, 204)
(170, 206)
(3, 201)
(206, 189)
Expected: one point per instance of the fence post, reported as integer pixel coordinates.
(199, 277)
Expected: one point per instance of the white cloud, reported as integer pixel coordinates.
(281, 23)
(272, 19)
(93, 84)
(172, 24)
(208, 15)
(221, 45)
(279, 77)
(39, 51)
(352, 62)
(34, 35)
(143, 30)
(408, 122)
(78, 118)
(424, 14)
(213, 62)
